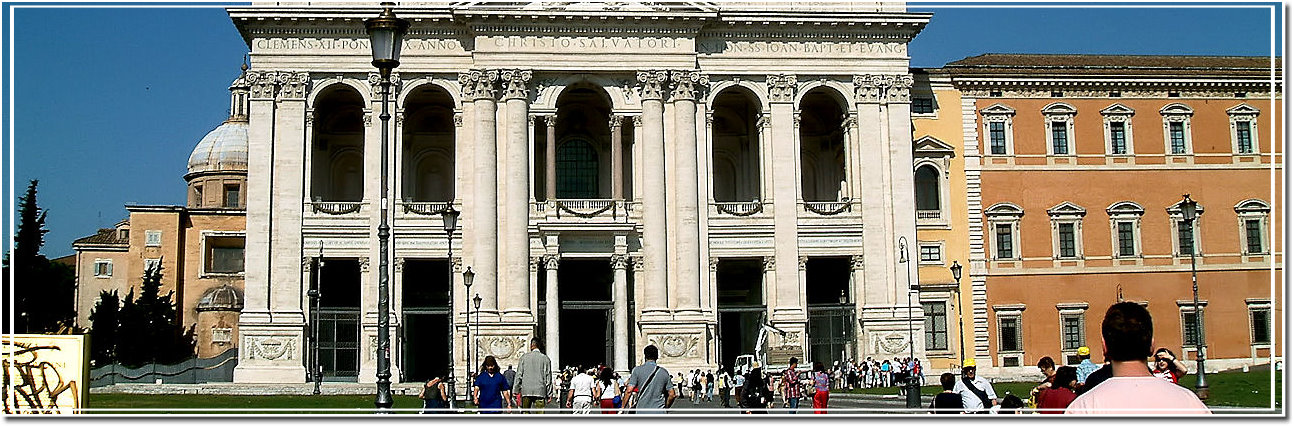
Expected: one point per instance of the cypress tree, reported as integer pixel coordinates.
(103, 328)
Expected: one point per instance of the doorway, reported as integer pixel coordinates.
(339, 314)
(586, 312)
(425, 334)
(740, 287)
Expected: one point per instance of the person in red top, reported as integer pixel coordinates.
(1167, 367)
(1055, 398)
(791, 386)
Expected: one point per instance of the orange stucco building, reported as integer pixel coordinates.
(1076, 166)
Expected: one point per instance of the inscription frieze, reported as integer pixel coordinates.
(584, 44)
(357, 45)
(802, 47)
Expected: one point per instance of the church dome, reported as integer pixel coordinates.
(222, 298)
(225, 148)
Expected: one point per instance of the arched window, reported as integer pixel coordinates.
(927, 185)
(577, 170)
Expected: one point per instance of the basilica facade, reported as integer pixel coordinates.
(626, 174)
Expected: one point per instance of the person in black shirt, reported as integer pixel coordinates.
(947, 402)
(1098, 376)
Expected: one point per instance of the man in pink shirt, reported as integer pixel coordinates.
(1127, 337)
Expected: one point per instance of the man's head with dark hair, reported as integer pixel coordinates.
(948, 380)
(1065, 377)
(650, 353)
(1046, 363)
(534, 344)
(794, 361)
(1127, 332)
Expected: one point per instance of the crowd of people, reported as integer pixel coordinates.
(1124, 384)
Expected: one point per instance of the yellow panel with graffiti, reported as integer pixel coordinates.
(45, 374)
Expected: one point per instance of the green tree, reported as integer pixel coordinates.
(103, 328)
(149, 328)
(42, 291)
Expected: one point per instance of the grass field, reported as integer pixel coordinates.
(1226, 389)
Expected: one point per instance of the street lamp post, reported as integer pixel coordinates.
(476, 302)
(468, 277)
(1189, 213)
(386, 34)
(316, 369)
(914, 392)
(450, 220)
(961, 329)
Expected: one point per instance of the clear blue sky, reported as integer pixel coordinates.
(108, 102)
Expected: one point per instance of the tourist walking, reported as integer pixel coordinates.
(948, 401)
(821, 388)
(580, 397)
(755, 394)
(695, 381)
(709, 386)
(885, 374)
(1055, 398)
(977, 393)
(490, 390)
(608, 391)
(724, 382)
(791, 386)
(534, 380)
(1127, 333)
(649, 387)
(433, 396)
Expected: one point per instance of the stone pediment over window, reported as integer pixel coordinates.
(1118, 109)
(1059, 109)
(1067, 209)
(1243, 109)
(1004, 209)
(1253, 205)
(1176, 109)
(1126, 208)
(997, 109)
(931, 147)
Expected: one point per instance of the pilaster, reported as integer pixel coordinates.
(788, 306)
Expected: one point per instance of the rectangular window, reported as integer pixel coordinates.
(1185, 238)
(152, 238)
(231, 196)
(1005, 249)
(936, 315)
(1188, 329)
(997, 138)
(923, 105)
(1059, 138)
(102, 267)
(222, 335)
(1177, 137)
(225, 255)
(1071, 331)
(1254, 235)
(1260, 320)
(1118, 139)
(1243, 140)
(931, 254)
(1127, 246)
(151, 264)
(1065, 232)
(1009, 334)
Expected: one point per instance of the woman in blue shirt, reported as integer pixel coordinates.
(491, 389)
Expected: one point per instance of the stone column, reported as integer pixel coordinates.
(789, 306)
(617, 159)
(514, 246)
(552, 307)
(479, 85)
(654, 238)
(770, 281)
(550, 157)
(620, 296)
(687, 210)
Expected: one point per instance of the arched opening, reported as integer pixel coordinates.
(822, 146)
(736, 146)
(428, 146)
(926, 182)
(583, 151)
(337, 169)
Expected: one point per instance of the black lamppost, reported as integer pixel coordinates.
(386, 34)
(961, 329)
(316, 369)
(476, 302)
(468, 277)
(1189, 213)
(914, 392)
(450, 221)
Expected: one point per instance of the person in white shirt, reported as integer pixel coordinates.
(1127, 335)
(580, 396)
(977, 393)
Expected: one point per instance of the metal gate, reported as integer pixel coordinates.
(831, 333)
(339, 342)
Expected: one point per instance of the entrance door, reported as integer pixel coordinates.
(586, 313)
(740, 284)
(339, 315)
(425, 334)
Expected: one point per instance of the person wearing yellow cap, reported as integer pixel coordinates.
(976, 392)
(1085, 367)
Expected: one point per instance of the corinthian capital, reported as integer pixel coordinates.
(515, 83)
(375, 83)
(293, 85)
(478, 84)
(781, 88)
(687, 84)
(900, 89)
(651, 84)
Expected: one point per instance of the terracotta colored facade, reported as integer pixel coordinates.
(1088, 225)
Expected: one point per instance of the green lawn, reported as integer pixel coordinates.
(1229, 389)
